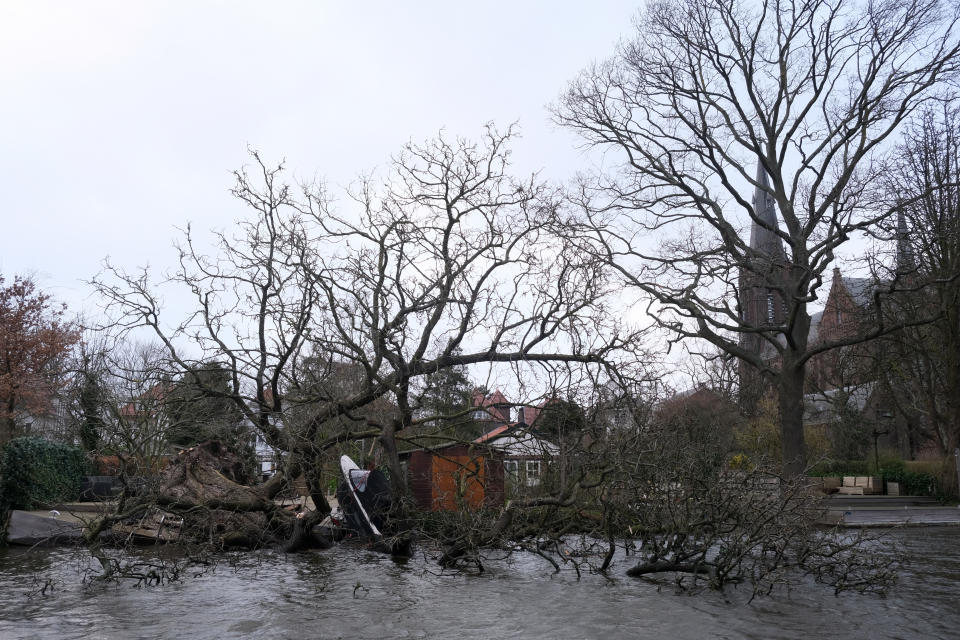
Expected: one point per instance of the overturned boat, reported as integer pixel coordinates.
(364, 499)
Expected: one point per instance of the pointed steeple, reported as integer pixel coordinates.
(905, 260)
(762, 239)
(761, 300)
(761, 296)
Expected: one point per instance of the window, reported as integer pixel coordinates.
(533, 473)
(511, 470)
(480, 415)
(771, 309)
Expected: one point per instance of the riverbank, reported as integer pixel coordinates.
(65, 522)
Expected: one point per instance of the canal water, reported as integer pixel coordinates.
(352, 594)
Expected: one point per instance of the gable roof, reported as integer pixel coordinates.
(861, 290)
(528, 414)
(495, 404)
(147, 401)
(494, 433)
(515, 441)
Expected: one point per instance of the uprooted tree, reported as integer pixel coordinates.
(329, 322)
(335, 325)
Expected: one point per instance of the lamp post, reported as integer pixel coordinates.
(876, 448)
(956, 455)
(882, 419)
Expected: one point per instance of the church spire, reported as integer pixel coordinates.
(761, 288)
(762, 239)
(905, 260)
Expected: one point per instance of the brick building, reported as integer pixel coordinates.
(846, 374)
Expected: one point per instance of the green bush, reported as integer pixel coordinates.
(915, 478)
(35, 473)
(920, 480)
(837, 468)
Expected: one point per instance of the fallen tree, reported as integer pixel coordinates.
(328, 326)
(199, 495)
(327, 323)
(667, 500)
(661, 497)
(201, 485)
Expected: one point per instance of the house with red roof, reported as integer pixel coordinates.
(525, 454)
(491, 408)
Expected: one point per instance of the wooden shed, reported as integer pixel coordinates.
(456, 475)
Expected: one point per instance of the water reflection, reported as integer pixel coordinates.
(351, 593)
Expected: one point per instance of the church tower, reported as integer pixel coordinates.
(906, 264)
(762, 305)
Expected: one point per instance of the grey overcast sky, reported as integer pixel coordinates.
(121, 120)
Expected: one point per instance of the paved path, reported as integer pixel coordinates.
(881, 502)
(893, 517)
(889, 511)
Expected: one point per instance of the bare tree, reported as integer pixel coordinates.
(921, 364)
(124, 403)
(137, 381)
(325, 317)
(447, 262)
(712, 369)
(807, 92)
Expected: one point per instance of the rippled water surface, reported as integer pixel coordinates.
(351, 593)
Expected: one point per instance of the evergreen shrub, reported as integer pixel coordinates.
(915, 478)
(837, 468)
(36, 473)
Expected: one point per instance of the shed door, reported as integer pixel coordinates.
(457, 480)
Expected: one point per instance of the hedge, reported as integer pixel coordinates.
(915, 478)
(840, 468)
(917, 481)
(36, 473)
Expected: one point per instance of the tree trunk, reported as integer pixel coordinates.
(8, 429)
(388, 443)
(312, 475)
(302, 536)
(790, 390)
